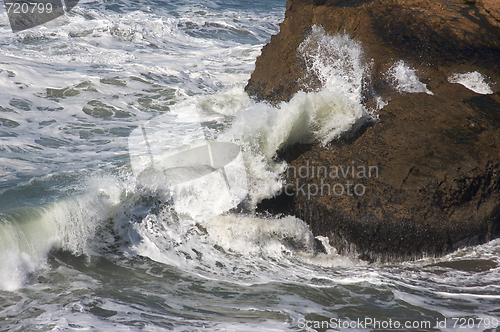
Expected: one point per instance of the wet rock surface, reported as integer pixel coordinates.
(437, 157)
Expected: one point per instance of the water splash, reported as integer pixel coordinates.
(405, 80)
(474, 81)
(336, 61)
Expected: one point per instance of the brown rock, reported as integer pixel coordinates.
(438, 157)
(436, 35)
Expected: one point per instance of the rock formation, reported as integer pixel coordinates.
(437, 156)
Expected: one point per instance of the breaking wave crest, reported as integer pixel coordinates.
(115, 212)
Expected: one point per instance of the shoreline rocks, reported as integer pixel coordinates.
(438, 156)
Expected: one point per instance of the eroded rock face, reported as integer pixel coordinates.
(437, 156)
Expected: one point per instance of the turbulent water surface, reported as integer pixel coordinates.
(109, 221)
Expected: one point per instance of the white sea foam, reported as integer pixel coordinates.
(233, 247)
(214, 246)
(405, 80)
(474, 81)
(72, 91)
